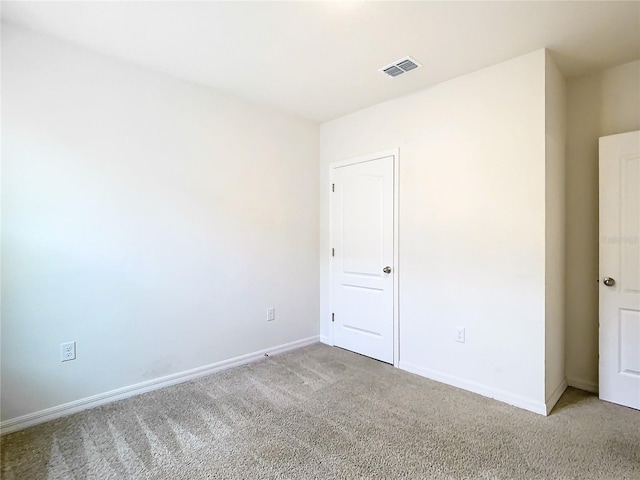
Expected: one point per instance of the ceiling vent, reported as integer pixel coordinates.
(401, 66)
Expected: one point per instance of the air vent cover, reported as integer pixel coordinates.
(401, 66)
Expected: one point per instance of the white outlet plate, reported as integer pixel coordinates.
(271, 314)
(460, 334)
(67, 351)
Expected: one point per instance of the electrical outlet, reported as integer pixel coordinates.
(460, 334)
(271, 314)
(67, 351)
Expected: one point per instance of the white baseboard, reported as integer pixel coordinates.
(31, 419)
(484, 390)
(555, 396)
(580, 384)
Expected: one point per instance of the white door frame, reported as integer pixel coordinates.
(394, 152)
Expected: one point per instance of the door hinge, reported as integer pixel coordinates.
(333, 317)
(333, 187)
(333, 252)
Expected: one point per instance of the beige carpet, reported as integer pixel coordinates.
(322, 412)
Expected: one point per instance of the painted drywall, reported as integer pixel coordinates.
(150, 220)
(555, 139)
(604, 103)
(471, 223)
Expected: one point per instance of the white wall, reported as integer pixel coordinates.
(556, 132)
(601, 104)
(151, 220)
(471, 221)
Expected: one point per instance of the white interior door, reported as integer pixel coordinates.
(620, 269)
(362, 229)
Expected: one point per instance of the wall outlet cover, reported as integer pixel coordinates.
(67, 351)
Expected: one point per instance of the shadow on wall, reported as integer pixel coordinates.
(583, 129)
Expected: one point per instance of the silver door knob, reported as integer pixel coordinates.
(386, 269)
(609, 282)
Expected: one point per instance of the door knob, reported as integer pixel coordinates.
(609, 282)
(386, 269)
